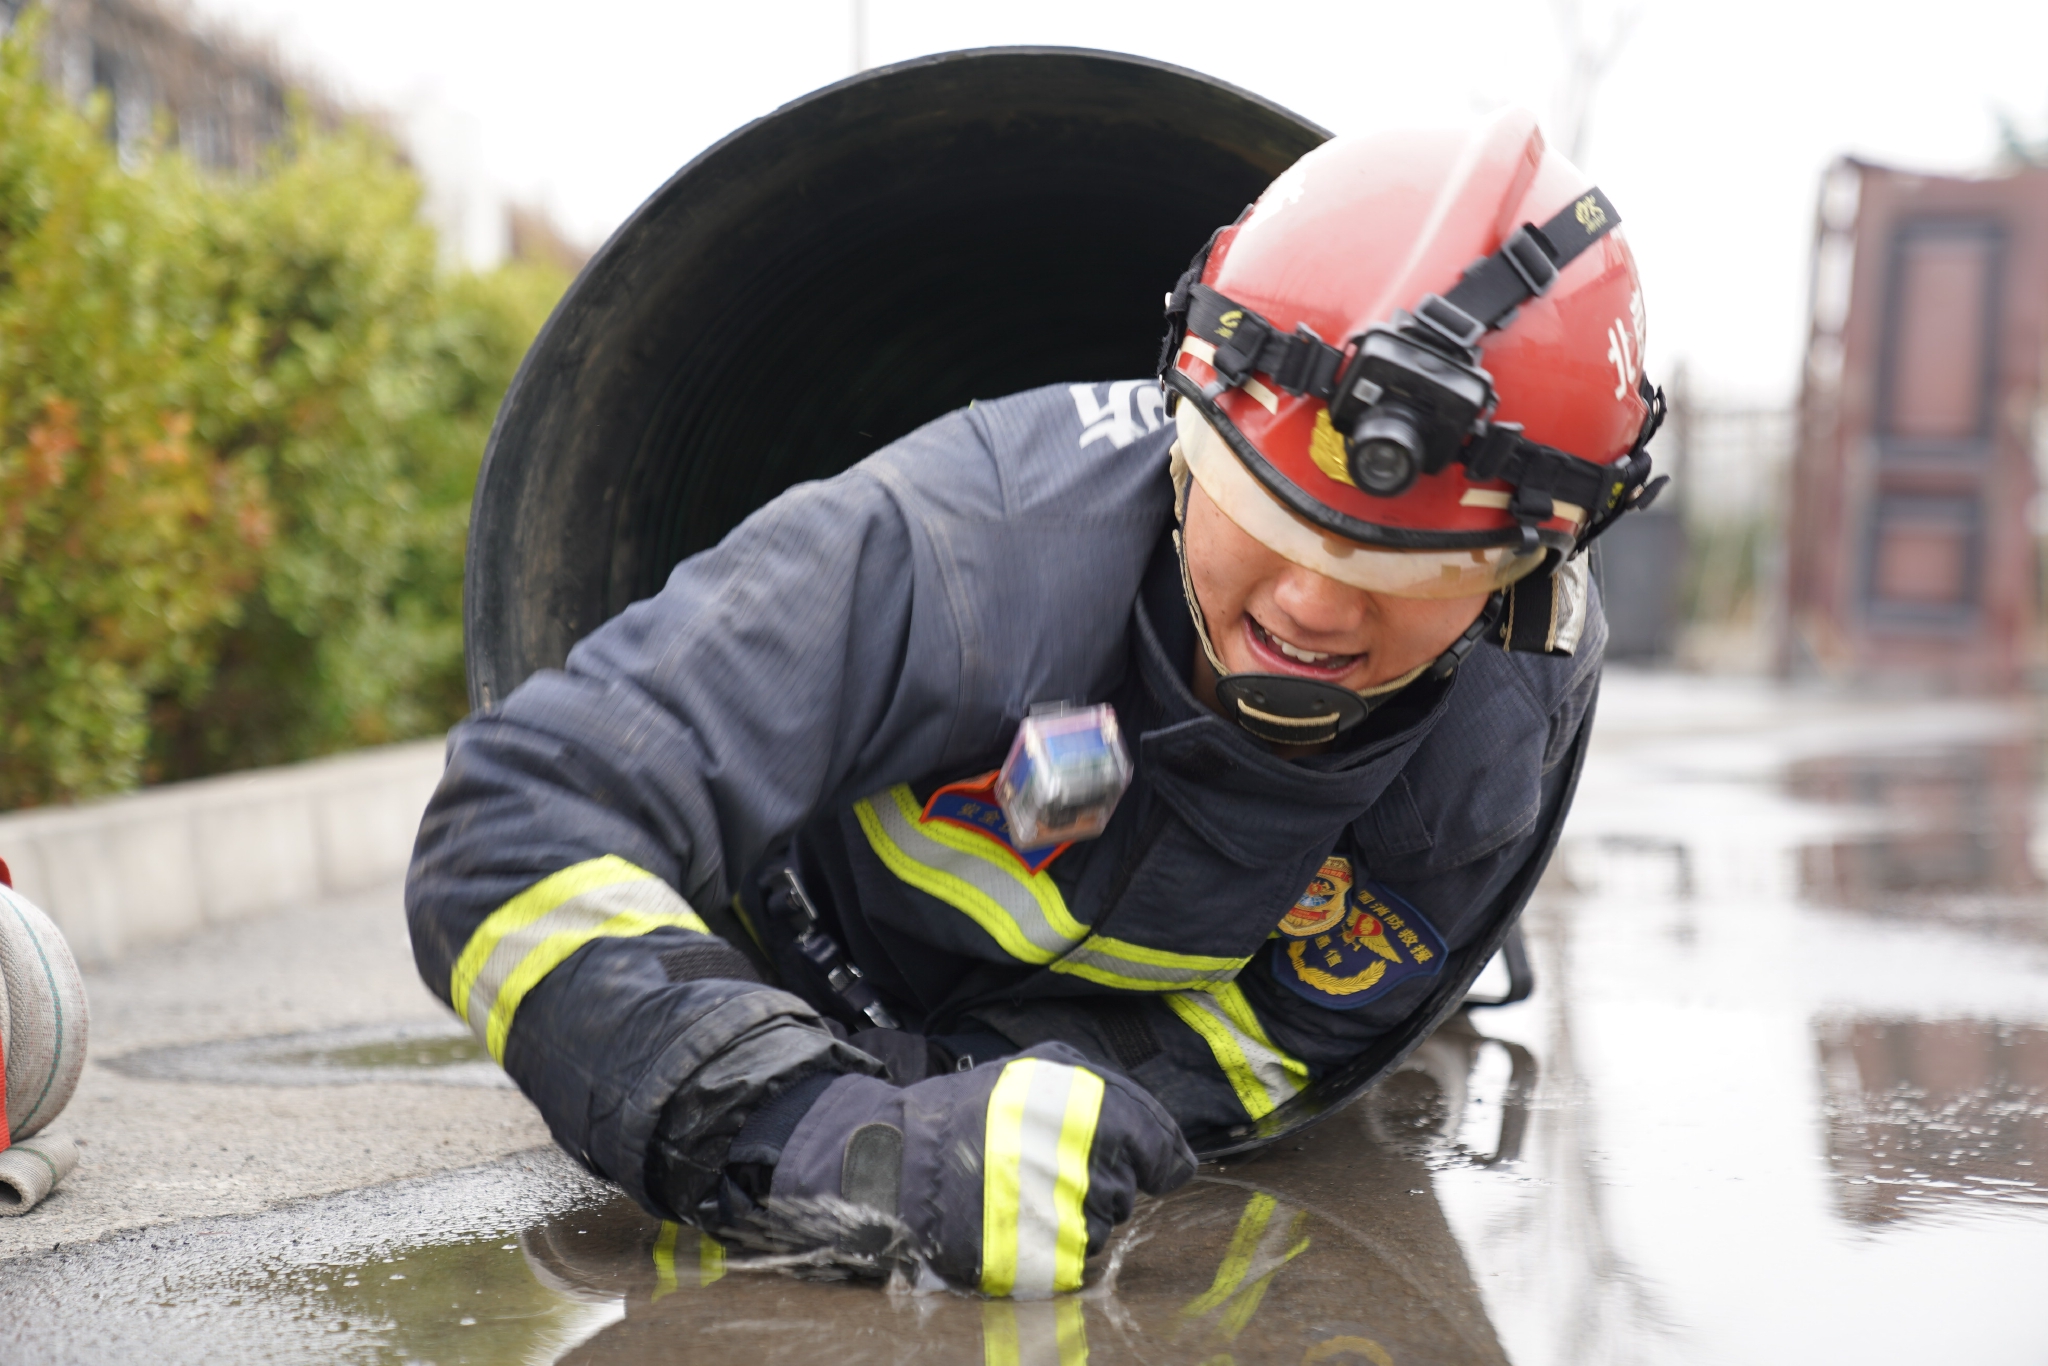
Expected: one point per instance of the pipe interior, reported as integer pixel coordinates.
(827, 280)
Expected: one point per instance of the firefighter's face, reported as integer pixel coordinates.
(1267, 614)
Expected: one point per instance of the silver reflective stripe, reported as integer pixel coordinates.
(1045, 1114)
(524, 955)
(1040, 1132)
(1022, 911)
(1263, 1077)
(1050, 1332)
(1137, 968)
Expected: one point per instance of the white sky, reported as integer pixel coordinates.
(1710, 132)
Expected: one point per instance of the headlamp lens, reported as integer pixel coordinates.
(1384, 453)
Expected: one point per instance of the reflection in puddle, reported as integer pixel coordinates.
(1461, 1100)
(1331, 1251)
(1928, 1113)
(1334, 1252)
(1956, 823)
(440, 1053)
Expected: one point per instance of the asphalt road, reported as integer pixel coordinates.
(160, 1151)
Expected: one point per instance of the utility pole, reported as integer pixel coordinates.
(860, 36)
(1586, 63)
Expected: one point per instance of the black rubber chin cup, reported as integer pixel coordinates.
(1284, 710)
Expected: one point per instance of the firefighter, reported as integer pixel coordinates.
(733, 896)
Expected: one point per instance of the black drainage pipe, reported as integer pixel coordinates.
(827, 279)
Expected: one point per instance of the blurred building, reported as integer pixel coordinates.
(1912, 549)
(1696, 578)
(221, 100)
(225, 102)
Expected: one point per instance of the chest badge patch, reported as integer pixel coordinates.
(971, 805)
(1322, 905)
(1381, 942)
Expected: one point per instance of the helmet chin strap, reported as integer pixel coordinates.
(1283, 709)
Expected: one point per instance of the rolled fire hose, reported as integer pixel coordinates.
(43, 1026)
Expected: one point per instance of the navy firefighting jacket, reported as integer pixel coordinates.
(822, 690)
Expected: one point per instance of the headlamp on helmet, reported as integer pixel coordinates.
(1405, 408)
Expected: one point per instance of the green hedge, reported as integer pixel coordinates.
(240, 422)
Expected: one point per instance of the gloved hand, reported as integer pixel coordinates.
(1005, 1177)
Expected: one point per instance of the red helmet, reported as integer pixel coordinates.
(1417, 342)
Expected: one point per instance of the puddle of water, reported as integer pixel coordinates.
(1925, 1114)
(440, 1053)
(432, 1050)
(1792, 1022)
(1955, 833)
(1332, 1251)
(470, 1301)
(418, 1271)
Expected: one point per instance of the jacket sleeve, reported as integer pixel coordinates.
(553, 888)
(854, 633)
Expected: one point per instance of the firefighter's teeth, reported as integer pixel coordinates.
(1293, 651)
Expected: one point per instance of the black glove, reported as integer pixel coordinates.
(1005, 1177)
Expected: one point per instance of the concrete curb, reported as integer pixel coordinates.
(155, 866)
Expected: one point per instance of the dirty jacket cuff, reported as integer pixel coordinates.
(675, 1129)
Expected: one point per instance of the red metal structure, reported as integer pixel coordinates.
(1911, 549)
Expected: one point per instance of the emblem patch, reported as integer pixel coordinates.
(1322, 905)
(971, 805)
(1382, 942)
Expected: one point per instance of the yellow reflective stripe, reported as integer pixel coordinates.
(1070, 1186)
(1252, 1246)
(1239, 1315)
(529, 936)
(1228, 1055)
(1135, 967)
(664, 1261)
(529, 906)
(552, 951)
(1022, 911)
(1070, 1326)
(1139, 953)
(1040, 1130)
(1002, 1159)
(710, 1259)
(739, 913)
(1262, 1076)
(1237, 1258)
(1000, 1345)
(1035, 1334)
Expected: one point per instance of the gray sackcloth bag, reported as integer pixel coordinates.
(43, 1028)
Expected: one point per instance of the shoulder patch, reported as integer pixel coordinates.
(1322, 905)
(971, 805)
(1126, 411)
(1382, 942)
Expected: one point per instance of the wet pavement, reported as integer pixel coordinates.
(1780, 1097)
